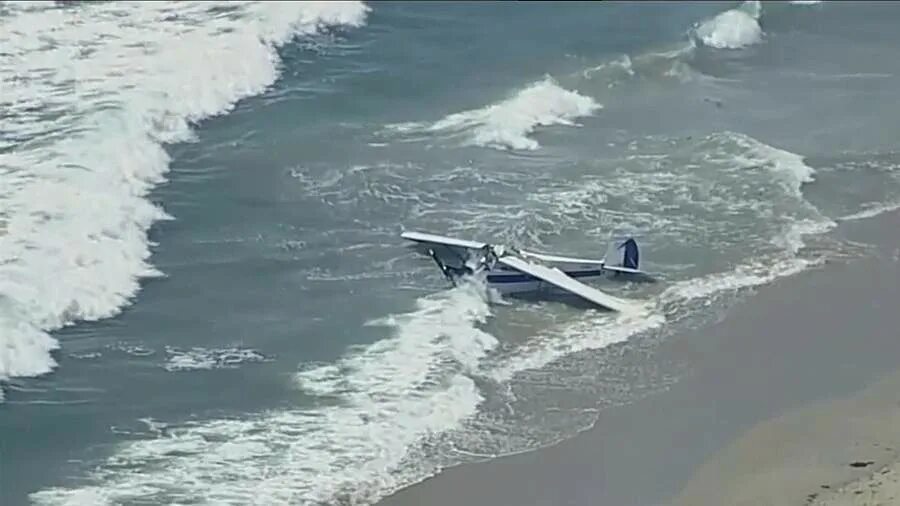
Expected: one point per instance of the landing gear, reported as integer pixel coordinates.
(451, 273)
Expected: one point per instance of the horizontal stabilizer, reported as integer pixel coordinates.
(624, 270)
(560, 259)
(635, 275)
(557, 278)
(422, 237)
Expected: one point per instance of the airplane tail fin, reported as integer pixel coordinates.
(623, 252)
(631, 257)
(623, 257)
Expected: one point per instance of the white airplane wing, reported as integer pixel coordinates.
(439, 239)
(557, 278)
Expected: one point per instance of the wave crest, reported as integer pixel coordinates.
(508, 124)
(93, 91)
(732, 29)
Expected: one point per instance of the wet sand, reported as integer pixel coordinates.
(791, 399)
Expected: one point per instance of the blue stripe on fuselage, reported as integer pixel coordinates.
(522, 278)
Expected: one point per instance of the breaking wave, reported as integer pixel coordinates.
(732, 29)
(508, 124)
(93, 92)
(351, 446)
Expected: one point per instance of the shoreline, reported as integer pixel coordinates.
(806, 347)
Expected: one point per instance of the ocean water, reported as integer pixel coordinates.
(204, 298)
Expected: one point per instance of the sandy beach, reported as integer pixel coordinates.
(833, 452)
(881, 488)
(792, 399)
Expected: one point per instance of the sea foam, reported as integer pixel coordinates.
(350, 446)
(732, 29)
(509, 123)
(92, 92)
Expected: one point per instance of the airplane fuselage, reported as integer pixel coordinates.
(515, 271)
(507, 281)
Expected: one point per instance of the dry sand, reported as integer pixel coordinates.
(819, 454)
(880, 489)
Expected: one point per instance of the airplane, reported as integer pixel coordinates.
(516, 271)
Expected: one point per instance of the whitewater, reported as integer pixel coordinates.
(88, 106)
